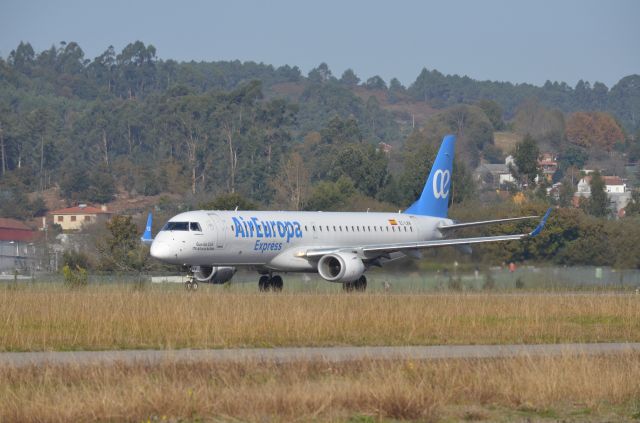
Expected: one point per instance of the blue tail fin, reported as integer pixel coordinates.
(146, 236)
(434, 200)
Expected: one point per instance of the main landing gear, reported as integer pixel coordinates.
(268, 283)
(191, 284)
(359, 285)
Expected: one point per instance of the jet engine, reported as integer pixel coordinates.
(213, 274)
(340, 267)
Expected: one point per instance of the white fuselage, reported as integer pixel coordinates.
(273, 240)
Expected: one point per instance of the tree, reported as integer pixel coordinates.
(375, 83)
(593, 129)
(331, 196)
(633, 208)
(292, 183)
(494, 112)
(320, 74)
(567, 190)
(121, 249)
(526, 160)
(471, 126)
(396, 86)
(229, 201)
(539, 121)
(364, 165)
(598, 203)
(574, 156)
(349, 78)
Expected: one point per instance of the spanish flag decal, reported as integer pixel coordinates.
(393, 222)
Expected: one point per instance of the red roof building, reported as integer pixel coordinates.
(15, 230)
(73, 218)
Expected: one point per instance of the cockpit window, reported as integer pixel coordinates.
(195, 226)
(176, 226)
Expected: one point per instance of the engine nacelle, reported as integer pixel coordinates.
(340, 267)
(213, 274)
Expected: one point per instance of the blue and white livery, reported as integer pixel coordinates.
(340, 247)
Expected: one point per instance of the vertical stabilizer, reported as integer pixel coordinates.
(434, 200)
(147, 238)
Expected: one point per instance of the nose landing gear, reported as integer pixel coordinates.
(268, 283)
(191, 284)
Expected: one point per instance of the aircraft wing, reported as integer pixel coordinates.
(444, 228)
(372, 251)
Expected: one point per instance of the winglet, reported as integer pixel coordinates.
(538, 228)
(146, 236)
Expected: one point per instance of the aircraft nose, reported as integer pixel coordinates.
(161, 251)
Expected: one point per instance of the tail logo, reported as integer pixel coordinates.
(441, 179)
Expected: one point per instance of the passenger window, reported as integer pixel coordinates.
(320, 228)
(195, 226)
(387, 229)
(405, 229)
(327, 228)
(334, 229)
(314, 228)
(411, 228)
(305, 228)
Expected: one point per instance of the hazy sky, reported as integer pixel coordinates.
(506, 40)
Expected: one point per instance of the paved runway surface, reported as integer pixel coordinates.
(330, 354)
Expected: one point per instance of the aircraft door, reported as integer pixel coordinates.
(416, 227)
(218, 226)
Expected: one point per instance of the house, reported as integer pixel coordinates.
(614, 184)
(384, 147)
(617, 192)
(73, 218)
(548, 165)
(554, 191)
(494, 175)
(16, 245)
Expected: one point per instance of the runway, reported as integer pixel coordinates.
(327, 354)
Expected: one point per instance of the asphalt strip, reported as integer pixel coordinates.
(326, 354)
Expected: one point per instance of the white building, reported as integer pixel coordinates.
(614, 186)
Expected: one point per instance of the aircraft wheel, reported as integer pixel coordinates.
(194, 286)
(276, 283)
(263, 283)
(348, 286)
(187, 285)
(361, 284)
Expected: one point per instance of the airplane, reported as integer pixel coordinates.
(339, 246)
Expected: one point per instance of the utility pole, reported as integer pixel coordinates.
(4, 167)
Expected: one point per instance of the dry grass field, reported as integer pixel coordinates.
(506, 141)
(519, 389)
(51, 317)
